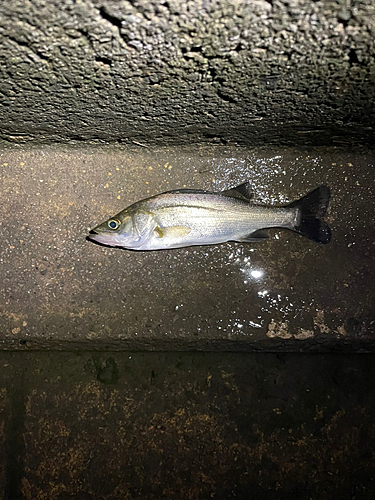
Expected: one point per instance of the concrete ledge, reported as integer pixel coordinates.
(59, 291)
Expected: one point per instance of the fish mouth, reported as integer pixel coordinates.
(93, 236)
(102, 238)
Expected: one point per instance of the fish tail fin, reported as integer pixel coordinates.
(312, 209)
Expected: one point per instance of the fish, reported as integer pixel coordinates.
(189, 217)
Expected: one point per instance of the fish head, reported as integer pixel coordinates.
(118, 231)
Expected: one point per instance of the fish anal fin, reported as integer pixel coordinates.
(259, 235)
(242, 192)
(171, 231)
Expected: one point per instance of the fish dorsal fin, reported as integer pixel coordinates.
(242, 192)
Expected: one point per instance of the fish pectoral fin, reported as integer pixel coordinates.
(171, 231)
(242, 192)
(158, 232)
(259, 235)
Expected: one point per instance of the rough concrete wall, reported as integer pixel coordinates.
(177, 71)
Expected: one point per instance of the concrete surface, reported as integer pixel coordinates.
(59, 291)
(113, 426)
(252, 72)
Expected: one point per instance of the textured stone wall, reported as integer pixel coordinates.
(183, 71)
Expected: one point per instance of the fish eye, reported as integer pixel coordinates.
(114, 224)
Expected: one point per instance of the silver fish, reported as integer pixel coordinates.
(195, 217)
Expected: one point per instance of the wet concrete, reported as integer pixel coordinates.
(186, 425)
(287, 293)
